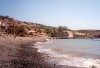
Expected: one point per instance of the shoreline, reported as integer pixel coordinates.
(19, 53)
(47, 57)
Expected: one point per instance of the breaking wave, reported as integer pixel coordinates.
(66, 59)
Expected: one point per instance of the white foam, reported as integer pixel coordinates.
(65, 59)
(80, 62)
(37, 45)
(69, 60)
(49, 41)
(38, 42)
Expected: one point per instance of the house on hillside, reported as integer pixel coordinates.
(3, 26)
(0, 21)
(42, 34)
(32, 31)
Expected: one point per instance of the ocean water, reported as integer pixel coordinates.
(83, 53)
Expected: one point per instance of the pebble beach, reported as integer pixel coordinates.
(19, 53)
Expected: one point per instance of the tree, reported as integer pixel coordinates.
(61, 32)
(23, 30)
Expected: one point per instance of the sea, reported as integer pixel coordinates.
(82, 53)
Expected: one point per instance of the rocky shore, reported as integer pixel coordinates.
(19, 53)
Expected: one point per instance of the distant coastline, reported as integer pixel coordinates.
(11, 26)
(16, 38)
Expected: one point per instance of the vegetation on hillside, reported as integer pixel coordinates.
(16, 27)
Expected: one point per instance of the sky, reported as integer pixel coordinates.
(75, 14)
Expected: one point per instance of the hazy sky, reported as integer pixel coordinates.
(75, 14)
